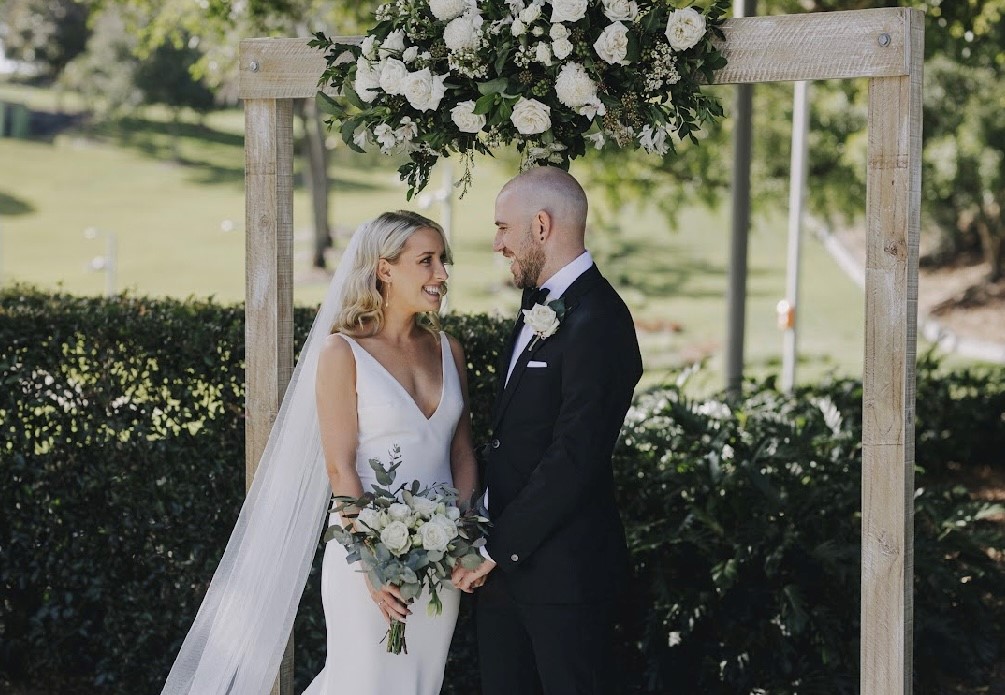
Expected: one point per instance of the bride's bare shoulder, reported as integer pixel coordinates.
(336, 352)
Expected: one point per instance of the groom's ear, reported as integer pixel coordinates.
(542, 225)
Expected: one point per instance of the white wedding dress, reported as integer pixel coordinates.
(357, 662)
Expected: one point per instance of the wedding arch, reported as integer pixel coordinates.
(884, 45)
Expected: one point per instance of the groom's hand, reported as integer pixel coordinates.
(469, 580)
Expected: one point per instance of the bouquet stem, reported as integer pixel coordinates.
(396, 637)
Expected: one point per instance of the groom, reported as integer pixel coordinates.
(557, 547)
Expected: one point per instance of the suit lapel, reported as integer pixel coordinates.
(583, 284)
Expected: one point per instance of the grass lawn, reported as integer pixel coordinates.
(177, 208)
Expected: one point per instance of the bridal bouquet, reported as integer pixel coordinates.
(552, 76)
(411, 537)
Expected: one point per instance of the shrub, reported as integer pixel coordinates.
(121, 451)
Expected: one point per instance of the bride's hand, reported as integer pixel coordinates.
(389, 601)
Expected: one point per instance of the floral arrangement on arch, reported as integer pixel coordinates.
(434, 77)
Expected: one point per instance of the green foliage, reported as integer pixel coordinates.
(122, 455)
(52, 32)
(744, 525)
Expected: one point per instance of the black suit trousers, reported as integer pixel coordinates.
(543, 649)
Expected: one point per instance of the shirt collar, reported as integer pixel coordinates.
(558, 283)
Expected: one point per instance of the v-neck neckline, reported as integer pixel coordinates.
(409, 396)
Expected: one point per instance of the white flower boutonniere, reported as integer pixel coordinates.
(544, 320)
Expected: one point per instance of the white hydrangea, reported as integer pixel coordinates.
(445, 10)
(574, 86)
(463, 32)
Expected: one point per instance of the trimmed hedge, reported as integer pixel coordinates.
(121, 455)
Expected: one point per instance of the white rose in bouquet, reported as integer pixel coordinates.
(531, 117)
(621, 10)
(463, 32)
(568, 10)
(399, 511)
(466, 120)
(530, 13)
(444, 521)
(558, 32)
(394, 44)
(517, 28)
(612, 45)
(392, 73)
(445, 10)
(410, 54)
(369, 518)
(574, 86)
(424, 506)
(433, 536)
(685, 28)
(423, 89)
(453, 513)
(396, 538)
(367, 47)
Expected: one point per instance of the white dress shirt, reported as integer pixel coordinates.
(556, 285)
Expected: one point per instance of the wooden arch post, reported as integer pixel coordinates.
(884, 45)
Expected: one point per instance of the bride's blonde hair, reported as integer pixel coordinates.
(362, 310)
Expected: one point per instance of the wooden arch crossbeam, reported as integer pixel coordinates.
(884, 45)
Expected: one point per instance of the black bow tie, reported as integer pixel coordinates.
(532, 296)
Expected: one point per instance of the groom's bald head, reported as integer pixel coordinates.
(556, 192)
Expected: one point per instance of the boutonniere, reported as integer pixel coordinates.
(544, 319)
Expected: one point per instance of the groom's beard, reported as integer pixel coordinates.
(530, 266)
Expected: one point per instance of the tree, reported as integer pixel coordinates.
(51, 32)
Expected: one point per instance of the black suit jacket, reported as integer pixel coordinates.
(557, 536)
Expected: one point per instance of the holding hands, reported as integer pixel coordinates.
(468, 580)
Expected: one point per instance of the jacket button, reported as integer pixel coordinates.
(514, 557)
(494, 443)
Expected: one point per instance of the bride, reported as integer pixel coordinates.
(375, 373)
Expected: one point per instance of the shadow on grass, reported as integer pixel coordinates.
(12, 207)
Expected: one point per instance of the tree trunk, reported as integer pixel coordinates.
(989, 228)
(316, 172)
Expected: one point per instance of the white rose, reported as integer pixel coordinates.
(558, 32)
(531, 117)
(574, 86)
(399, 511)
(621, 10)
(367, 80)
(423, 506)
(462, 32)
(530, 13)
(368, 519)
(445, 10)
(568, 10)
(537, 31)
(517, 28)
(685, 28)
(423, 89)
(543, 54)
(446, 524)
(434, 537)
(542, 319)
(453, 513)
(394, 44)
(561, 48)
(410, 54)
(392, 73)
(396, 538)
(612, 45)
(466, 120)
(367, 47)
